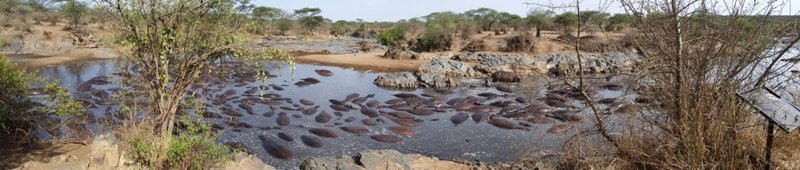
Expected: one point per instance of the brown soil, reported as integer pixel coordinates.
(49, 44)
(362, 61)
(35, 61)
(12, 154)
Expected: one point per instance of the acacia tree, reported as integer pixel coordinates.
(170, 43)
(539, 19)
(262, 13)
(75, 11)
(486, 17)
(309, 17)
(567, 20)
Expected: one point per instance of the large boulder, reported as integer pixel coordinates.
(492, 62)
(382, 159)
(402, 80)
(567, 64)
(245, 161)
(104, 154)
(437, 80)
(447, 67)
(558, 64)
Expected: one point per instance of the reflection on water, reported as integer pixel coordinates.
(435, 136)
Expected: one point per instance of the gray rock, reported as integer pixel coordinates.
(381, 159)
(402, 80)
(245, 161)
(437, 80)
(558, 64)
(334, 46)
(447, 67)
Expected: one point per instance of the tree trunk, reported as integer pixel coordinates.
(538, 32)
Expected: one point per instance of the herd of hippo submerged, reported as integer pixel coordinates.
(360, 114)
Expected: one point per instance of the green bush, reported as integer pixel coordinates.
(195, 148)
(391, 37)
(13, 102)
(4, 42)
(16, 109)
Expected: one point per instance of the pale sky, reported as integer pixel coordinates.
(393, 10)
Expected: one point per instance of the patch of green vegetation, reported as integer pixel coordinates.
(17, 110)
(4, 42)
(194, 148)
(13, 102)
(391, 37)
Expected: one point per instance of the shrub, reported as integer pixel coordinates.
(4, 42)
(283, 25)
(195, 148)
(13, 102)
(16, 109)
(392, 37)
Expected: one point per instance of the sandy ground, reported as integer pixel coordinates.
(36, 61)
(361, 61)
(47, 44)
(13, 157)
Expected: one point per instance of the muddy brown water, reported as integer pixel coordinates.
(435, 134)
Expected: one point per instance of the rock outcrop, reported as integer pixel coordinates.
(451, 72)
(381, 159)
(402, 80)
(106, 154)
(447, 67)
(557, 64)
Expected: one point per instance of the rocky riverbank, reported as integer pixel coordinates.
(466, 67)
(104, 153)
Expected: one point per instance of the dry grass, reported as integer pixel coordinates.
(693, 65)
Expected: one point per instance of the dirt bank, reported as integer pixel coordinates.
(35, 61)
(45, 44)
(362, 61)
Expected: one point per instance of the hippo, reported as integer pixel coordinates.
(386, 138)
(323, 117)
(354, 129)
(351, 96)
(276, 149)
(373, 103)
(505, 76)
(310, 111)
(322, 72)
(323, 132)
(237, 124)
(268, 114)
(285, 137)
(306, 102)
(560, 128)
(369, 112)
(401, 114)
(311, 80)
(540, 120)
(480, 116)
(402, 130)
(444, 91)
(502, 123)
(369, 122)
(283, 119)
(311, 141)
(339, 108)
(459, 118)
(420, 112)
(403, 121)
